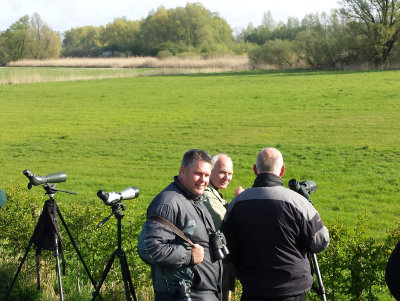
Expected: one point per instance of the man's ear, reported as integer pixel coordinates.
(255, 170)
(182, 169)
(282, 171)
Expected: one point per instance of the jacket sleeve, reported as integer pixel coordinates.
(318, 234)
(157, 245)
(231, 238)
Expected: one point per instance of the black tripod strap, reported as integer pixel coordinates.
(171, 227)
(53, 213)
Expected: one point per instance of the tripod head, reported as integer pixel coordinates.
(48, 182)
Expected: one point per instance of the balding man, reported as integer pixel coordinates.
(221, 176)
(270, 230)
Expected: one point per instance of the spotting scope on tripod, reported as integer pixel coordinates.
(305, 188)
(114, 200)
(46, 234)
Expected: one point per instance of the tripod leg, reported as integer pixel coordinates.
(19, 268)
(319, 277)
(76, 248)
(126, 276)
(104, 275)
(57, 256)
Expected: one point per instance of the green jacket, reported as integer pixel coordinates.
(215, 204)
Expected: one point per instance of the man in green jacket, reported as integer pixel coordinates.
(221, 176)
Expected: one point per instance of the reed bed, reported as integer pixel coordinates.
(235, 63)
(69, 69)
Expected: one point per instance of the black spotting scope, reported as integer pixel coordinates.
(51, 178)
(113, 197)
(305, 188)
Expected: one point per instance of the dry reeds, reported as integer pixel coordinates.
(67, 69)
(222, 63)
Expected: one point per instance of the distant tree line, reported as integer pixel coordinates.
(360, 32)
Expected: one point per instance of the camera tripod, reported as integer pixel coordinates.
(126, 276)
(46, 236)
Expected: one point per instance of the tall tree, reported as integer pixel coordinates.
(120, 35)
(43, 43)
(378, 21)
(15, 40)
(83, 41)
(185, 29)
(154, 31)
(267, 21)
(29, 38)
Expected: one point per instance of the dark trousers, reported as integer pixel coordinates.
(195, 297)
(248, 297)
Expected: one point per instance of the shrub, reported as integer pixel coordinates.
(273, 52)
(17, 221)
(352, 266)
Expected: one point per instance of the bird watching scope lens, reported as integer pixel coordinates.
(113, 197)
(51, 178)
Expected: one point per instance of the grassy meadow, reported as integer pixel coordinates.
(339, 129)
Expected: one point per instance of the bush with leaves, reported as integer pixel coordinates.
(352, 266)
(96, 245)
(278, 53)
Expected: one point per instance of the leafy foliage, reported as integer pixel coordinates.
(29, 38)
(18, 219)
(378, 21)
(352, 267)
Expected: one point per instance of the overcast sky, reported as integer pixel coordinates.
(62, 15)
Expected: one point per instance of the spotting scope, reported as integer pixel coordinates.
(51, 178)
(112, 198)
(305, 188)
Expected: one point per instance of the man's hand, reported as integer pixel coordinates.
(197, 253)
(239, 190)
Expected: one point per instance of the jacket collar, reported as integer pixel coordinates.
(186, 192)
(267, 180)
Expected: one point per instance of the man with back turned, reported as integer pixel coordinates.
(270, 230)
(180, 270)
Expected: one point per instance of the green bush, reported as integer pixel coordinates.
(278, 53)
(352, 267)
(96, 245)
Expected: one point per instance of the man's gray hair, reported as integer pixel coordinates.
(214, 158)
(194, 155)
(269, 160)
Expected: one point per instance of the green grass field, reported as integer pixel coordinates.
(340, 129)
